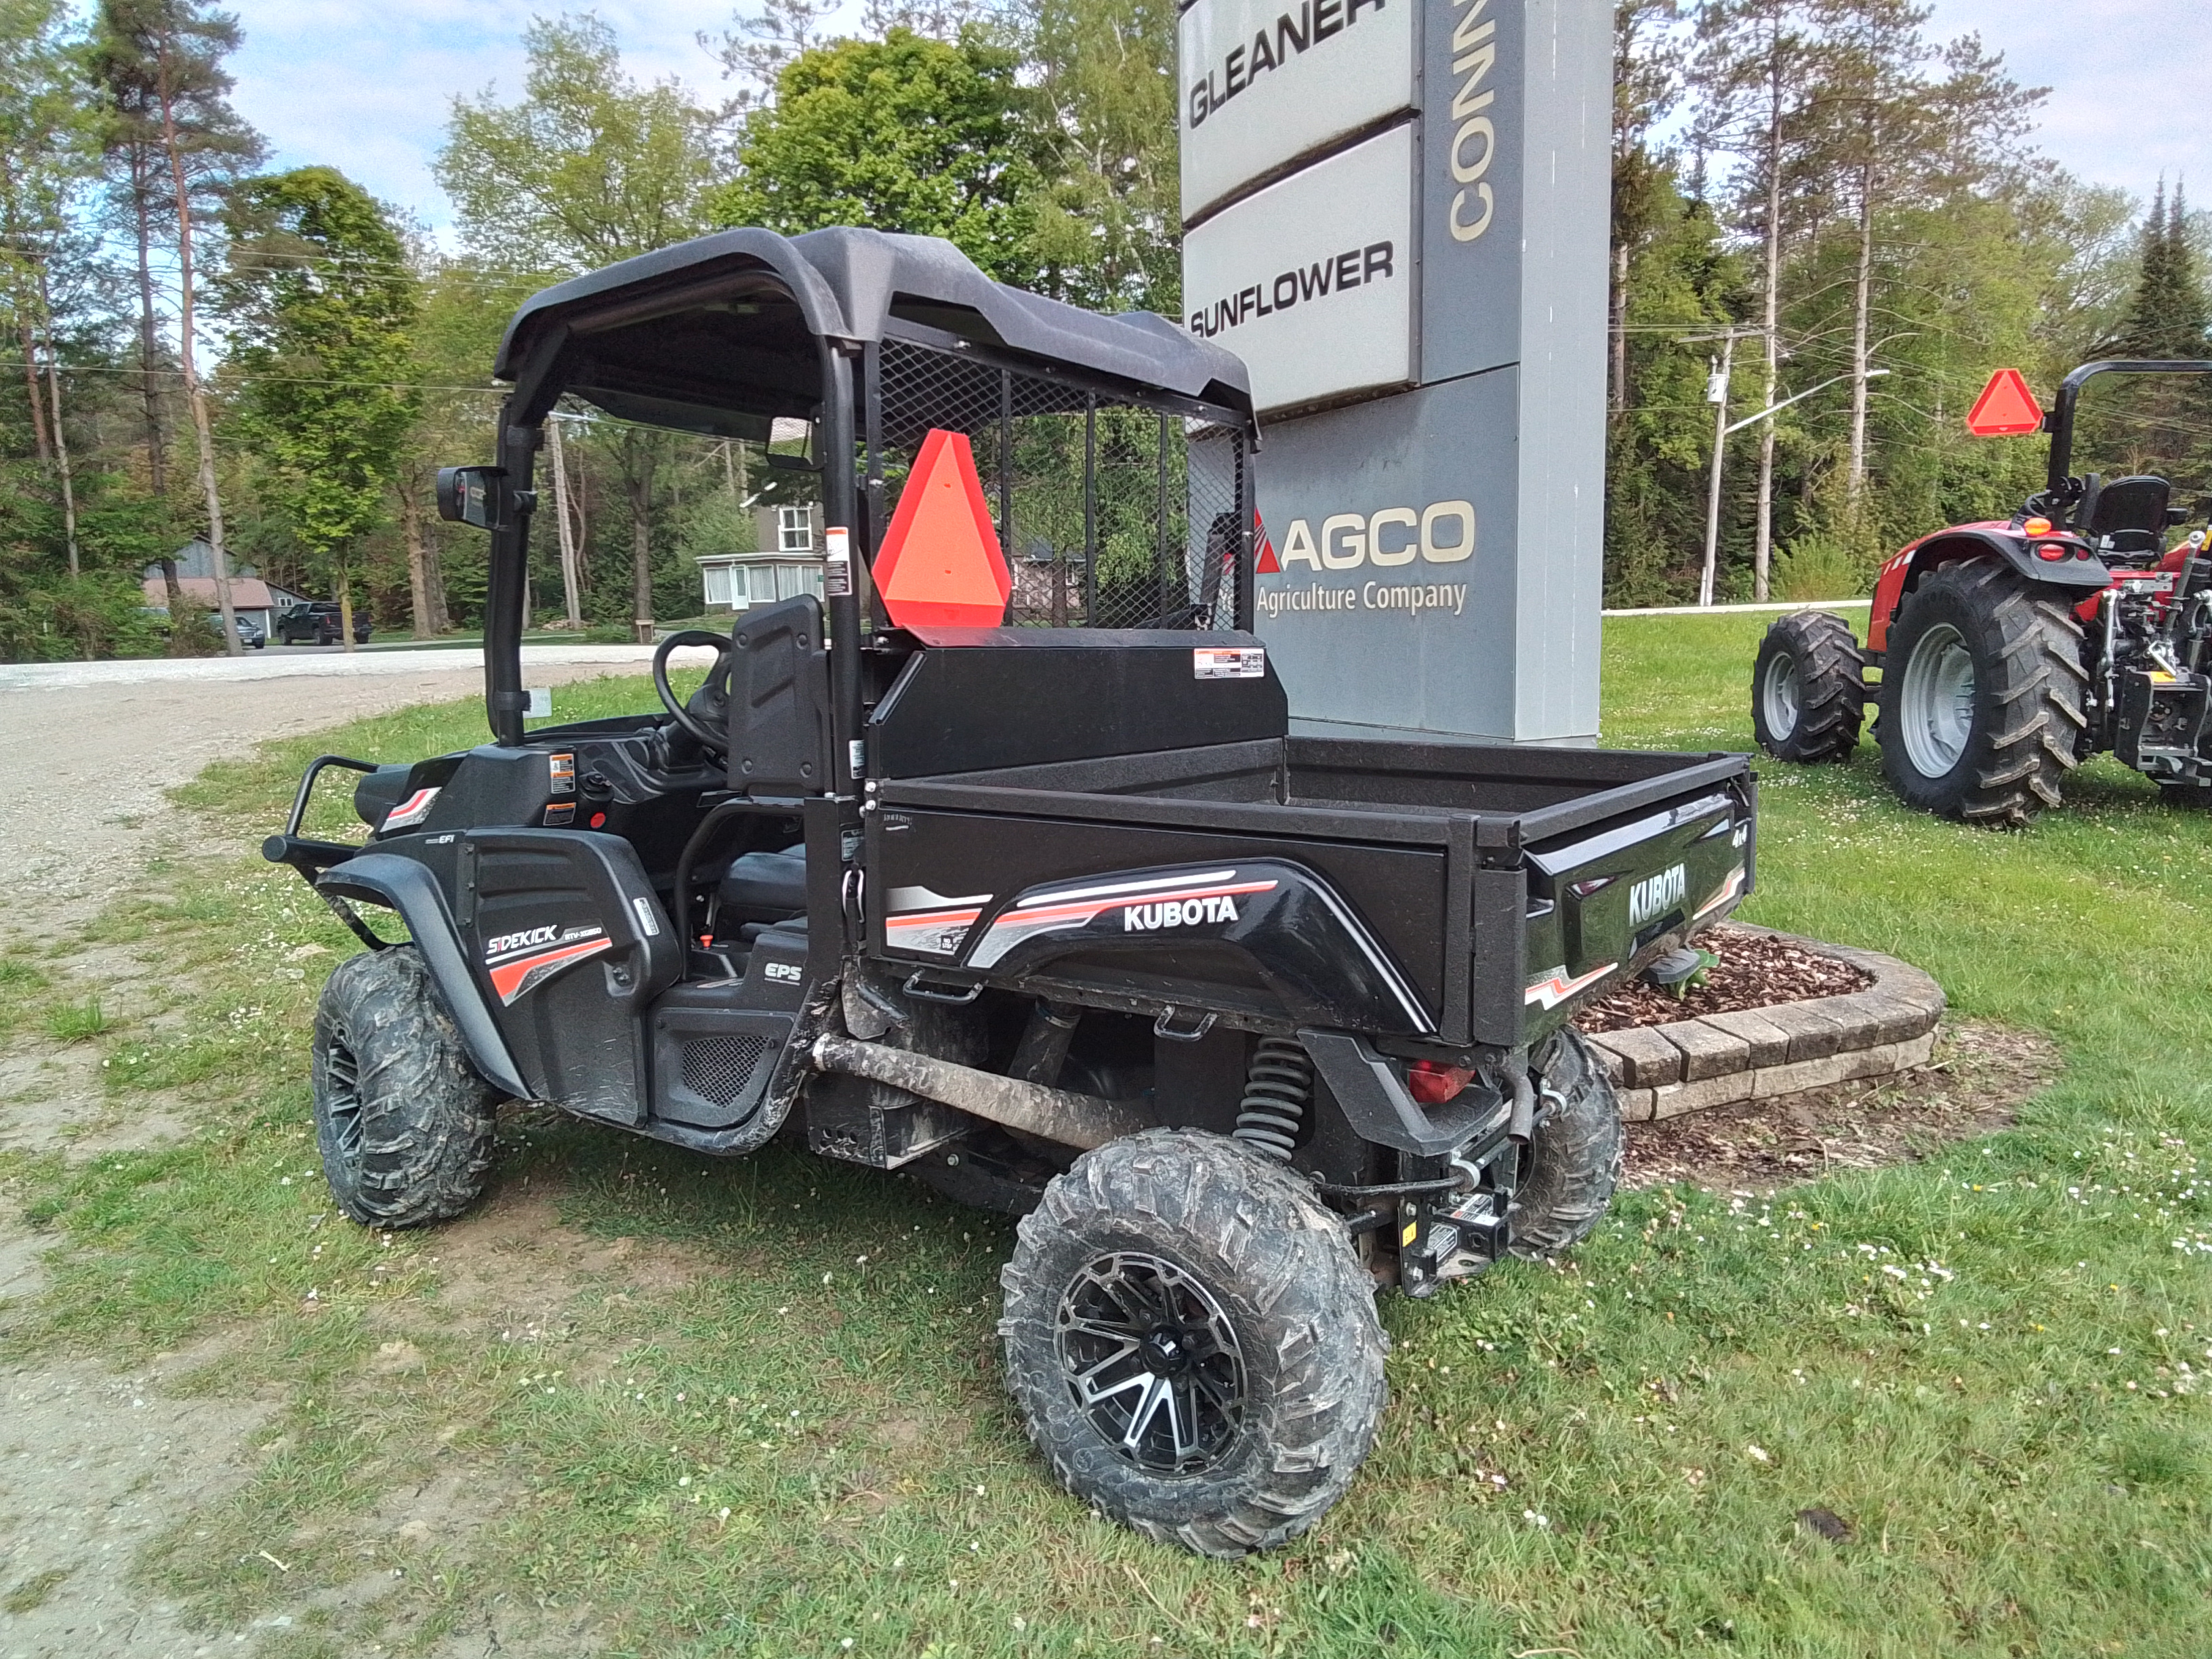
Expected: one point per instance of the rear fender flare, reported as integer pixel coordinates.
(402, 884)
(2078, 577)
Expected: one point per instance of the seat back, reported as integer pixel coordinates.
(780, 701)
(2126, 515)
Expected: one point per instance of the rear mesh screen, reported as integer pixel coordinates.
(1111, 514)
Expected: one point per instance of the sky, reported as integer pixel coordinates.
(366, 87)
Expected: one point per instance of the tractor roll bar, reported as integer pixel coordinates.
(2059, 421)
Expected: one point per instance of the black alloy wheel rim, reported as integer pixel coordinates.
(342, 1096)
(1152, 1362)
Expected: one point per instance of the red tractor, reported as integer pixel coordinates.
(2009, 652)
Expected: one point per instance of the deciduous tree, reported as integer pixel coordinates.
(904, 134)
(590, 167)
(321, 304)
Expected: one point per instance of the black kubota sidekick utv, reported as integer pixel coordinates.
(1008, 874)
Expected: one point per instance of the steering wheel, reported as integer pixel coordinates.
(712, 699)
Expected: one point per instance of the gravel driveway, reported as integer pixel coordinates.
(94, 1464)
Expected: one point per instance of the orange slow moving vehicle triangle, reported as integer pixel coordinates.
(940, 566)
(2006, 409)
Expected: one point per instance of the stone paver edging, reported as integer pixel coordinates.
(1690, 1064)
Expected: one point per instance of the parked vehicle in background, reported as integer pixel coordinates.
(2010, 652)
(317, 622)
(250, 632)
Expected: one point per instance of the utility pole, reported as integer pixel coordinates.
(1717, 392)
(568, 593)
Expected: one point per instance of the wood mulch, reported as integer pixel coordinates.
(1973, 1085)
(1756, 971)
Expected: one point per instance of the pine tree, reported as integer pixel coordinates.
(2167, 315)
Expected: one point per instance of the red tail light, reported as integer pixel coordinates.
(1432, 1082)
(2052, 550)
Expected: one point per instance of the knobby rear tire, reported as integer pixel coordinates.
(1278, 1265)
(1816, 653)
(403, 1120)
(2029, 694)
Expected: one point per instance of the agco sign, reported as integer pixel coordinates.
(1394, 212)
(1405, 540)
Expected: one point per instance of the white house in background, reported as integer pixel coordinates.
(250, 596)
(788, 563)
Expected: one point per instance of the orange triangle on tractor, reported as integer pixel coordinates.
(940, 566)
(2006, 409)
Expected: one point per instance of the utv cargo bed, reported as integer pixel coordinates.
(1499, 882)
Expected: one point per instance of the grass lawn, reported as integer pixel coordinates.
(770, 1422)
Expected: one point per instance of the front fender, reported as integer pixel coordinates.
(402, 884)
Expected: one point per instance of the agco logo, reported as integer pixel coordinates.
(1442, 532)
(1656, 895)
(1176, 913)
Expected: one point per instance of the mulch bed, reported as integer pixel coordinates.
(1756, 971)
(1974, 1085)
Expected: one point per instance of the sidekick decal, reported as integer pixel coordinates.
(1321, 963)
(520, 962)
(1728, 891)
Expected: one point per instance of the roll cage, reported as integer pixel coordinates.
(874, 339)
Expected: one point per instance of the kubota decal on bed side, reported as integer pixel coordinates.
(1316, 952)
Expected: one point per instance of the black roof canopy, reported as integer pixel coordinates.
(720, 334)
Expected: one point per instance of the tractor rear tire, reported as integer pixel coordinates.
(403, 1120)
(2189, 796)
(1981, 697)
(1575, 1155)
(1193, 1342)
(1808, 688)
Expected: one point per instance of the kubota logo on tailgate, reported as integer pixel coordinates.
(1655, 896)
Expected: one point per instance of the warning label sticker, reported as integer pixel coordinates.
(1241, 663)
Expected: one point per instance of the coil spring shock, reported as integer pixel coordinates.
(1276, 1091)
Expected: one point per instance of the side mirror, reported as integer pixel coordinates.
(470, 494)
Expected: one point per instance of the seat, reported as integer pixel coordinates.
(2126, 516)
(764, 887)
